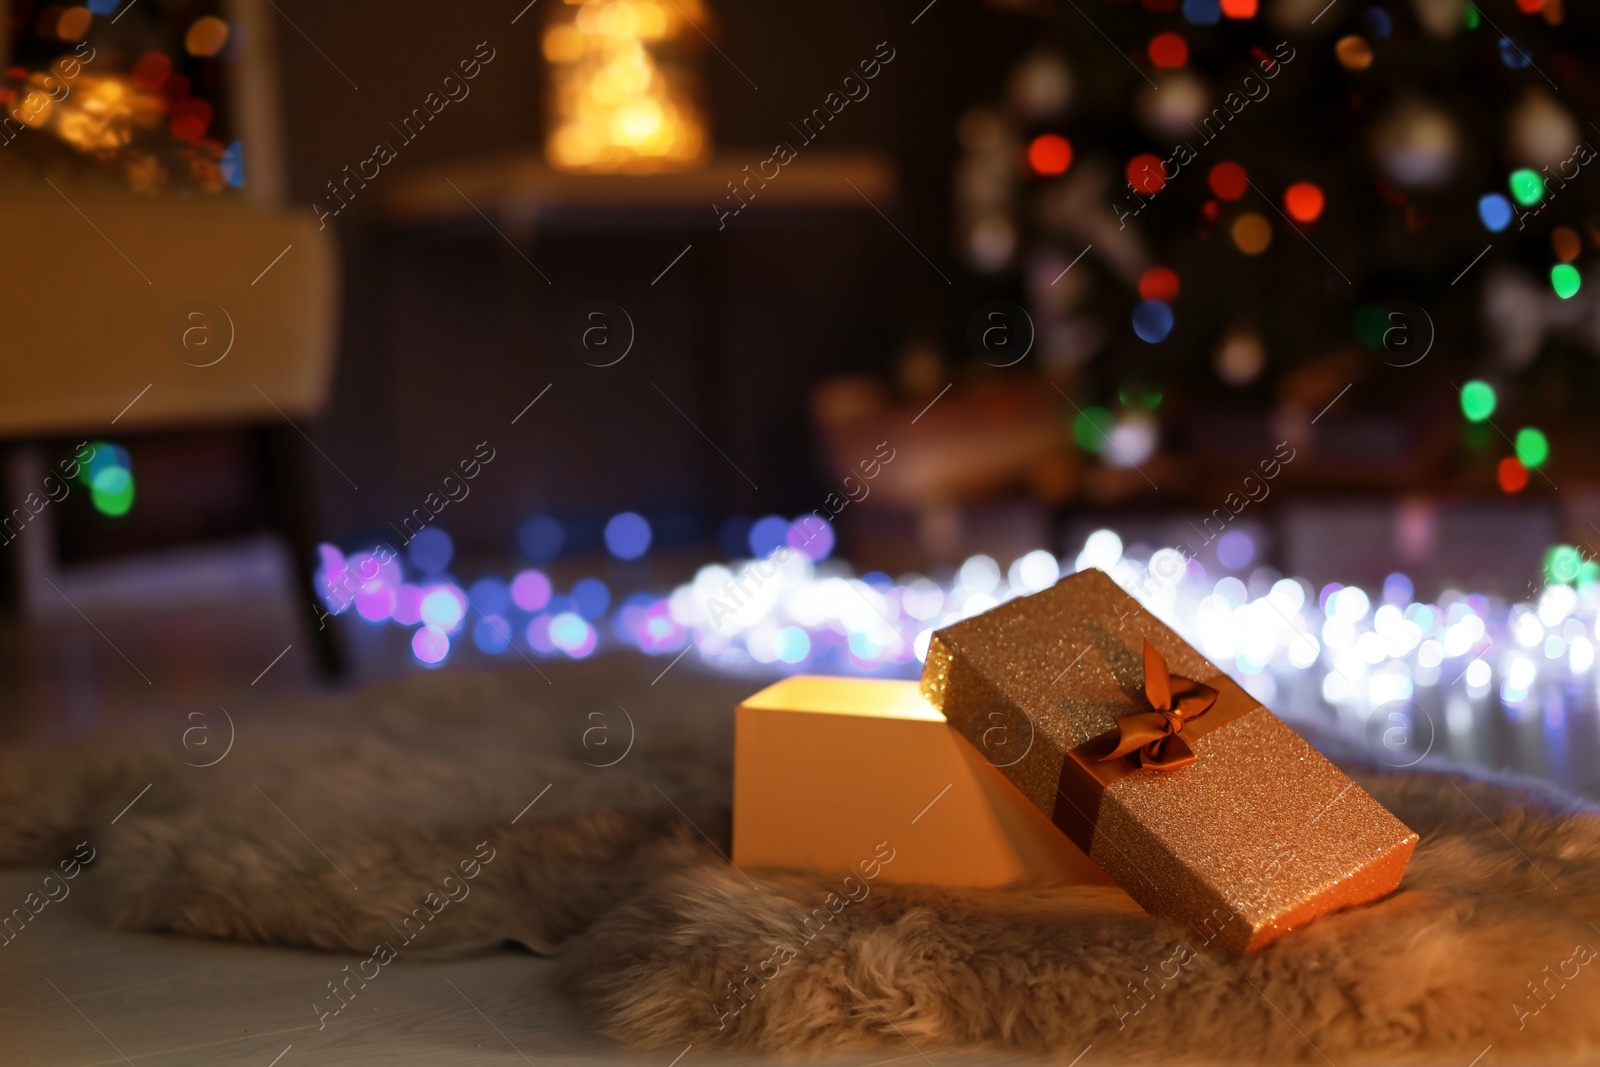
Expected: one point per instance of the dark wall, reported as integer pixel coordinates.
(448, 331)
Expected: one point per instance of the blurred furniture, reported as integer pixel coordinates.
(523, 189)
(132, 315)
(972, 443)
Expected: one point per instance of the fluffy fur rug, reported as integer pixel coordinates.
(330, 823)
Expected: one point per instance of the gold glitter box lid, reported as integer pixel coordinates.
(1257, 836)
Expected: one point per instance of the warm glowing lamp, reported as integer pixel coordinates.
(621, 101)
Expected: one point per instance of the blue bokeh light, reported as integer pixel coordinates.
(490, 596)
(1495, 211)
(492, 634)
(1513, 55)
(1202, 12)
(592, 597)
(431, 550)
(1152, 321)
(541, 538)
(767, 534)
(627, 535)
(232, 165)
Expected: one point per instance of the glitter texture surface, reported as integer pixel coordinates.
(1259, 835)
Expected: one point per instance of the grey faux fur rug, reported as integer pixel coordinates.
(1490, 940)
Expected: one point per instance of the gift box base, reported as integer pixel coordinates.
(828, 770)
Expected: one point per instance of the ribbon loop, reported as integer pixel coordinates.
(1150, 738)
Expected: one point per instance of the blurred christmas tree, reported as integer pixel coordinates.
(1223, 217)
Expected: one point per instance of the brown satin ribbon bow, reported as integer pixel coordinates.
(1151, 737)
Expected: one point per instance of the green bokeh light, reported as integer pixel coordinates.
(1370, 324)
(1527, 187)
(1092, 428)
(1533, 448)
(1563, 564)
(1478, 400)
(109, 477)
(113, 501)
(1565, 279)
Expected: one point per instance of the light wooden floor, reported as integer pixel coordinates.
(74, 995)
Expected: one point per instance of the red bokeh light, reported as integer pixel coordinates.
(1169, 51)
(1240, 9)
(1159, 283)
(151, 70)
(1050, 154)
(1530, 7)
(1228, 181)
(1303, 201)
(1513, 475)
(191, 119)
(1144, 174)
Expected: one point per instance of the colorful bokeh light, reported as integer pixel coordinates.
(592, 597)
(1252, 233)
(1478, 400)
(530, 590)
(1512, 476)
(572, 634)
(1353, 52)
(492, 634)
(1092, 427)
(1144, 174)
(443, 608)
(1168, 51)
(627, 535)
(540, 538)
(1513, 55)
(1228, 180)
(1565, 280)
(430, 645)
(109, 474)
(1159, 283)
(206, 36)
(1495, 212)
(1303, 201)
(767, 534)
(1152, 321)
(1050, 154)
(1532, 446)
(1527, 187)
(811, 537)
(431, 550)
